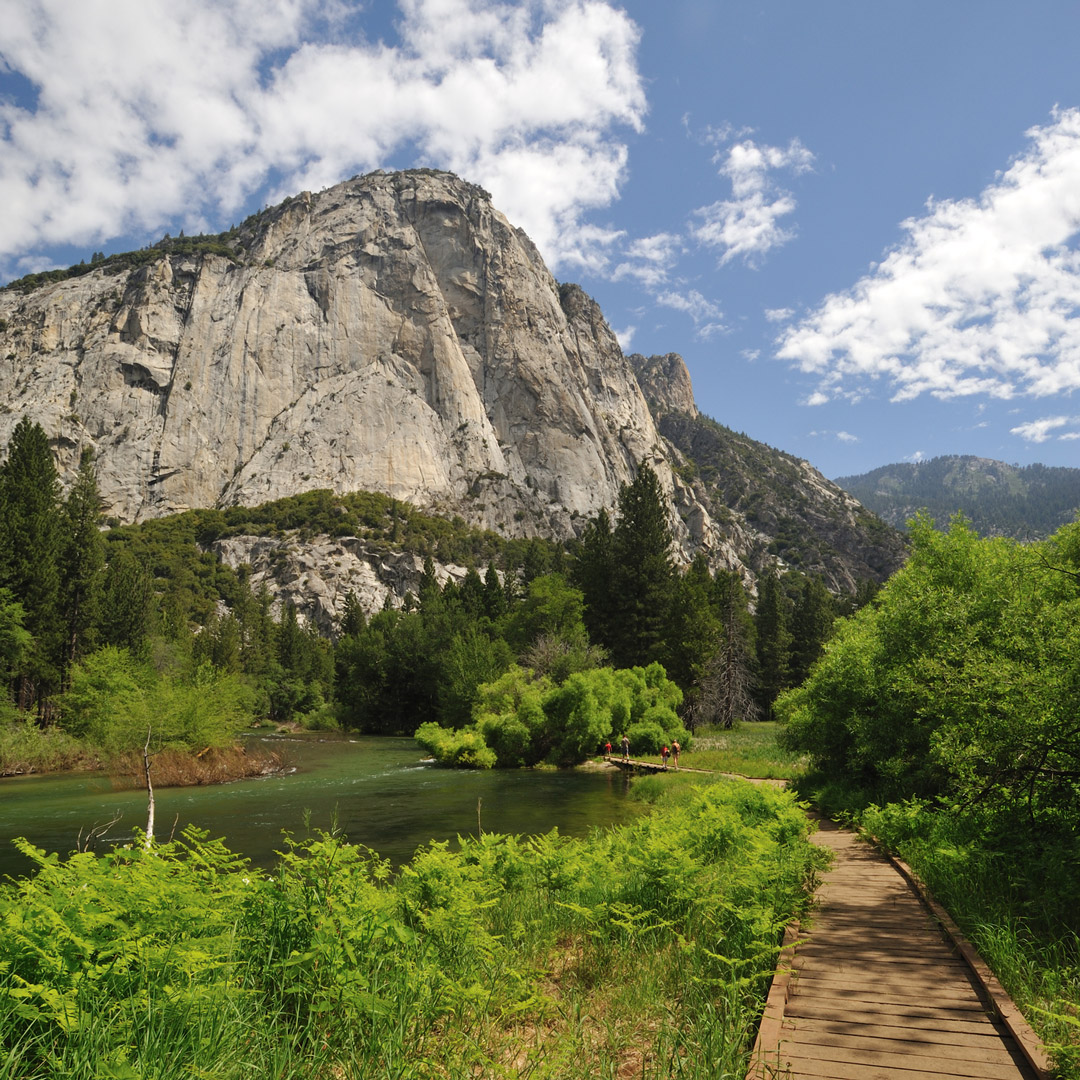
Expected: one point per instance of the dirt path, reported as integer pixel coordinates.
(876, 990)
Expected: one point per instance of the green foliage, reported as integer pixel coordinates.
(116, 701)
(181, 960)
(526, 719)
(960, 680)
(463, 748)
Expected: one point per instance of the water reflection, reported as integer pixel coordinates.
(377, 790)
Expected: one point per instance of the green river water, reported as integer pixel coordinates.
(378, 791)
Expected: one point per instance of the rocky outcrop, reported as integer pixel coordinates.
(393, 333)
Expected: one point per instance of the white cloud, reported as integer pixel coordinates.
(847, 437)
(707, 315)
(1039, 431)
(649, 259)
(980, 298)
(779, 314)
(625, 337)
(147, 110)
(747, 226)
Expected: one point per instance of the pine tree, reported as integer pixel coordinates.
(772, 622)
(29, 553)
(593, 574)
(727, 691)
(643, 572)
(811, 625)
(82, 562)
(128, 604)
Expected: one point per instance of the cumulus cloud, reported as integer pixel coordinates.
(748, 225)
(146, 110)
(980, 297)
(1039, 431)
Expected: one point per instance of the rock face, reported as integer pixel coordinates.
(394, 333)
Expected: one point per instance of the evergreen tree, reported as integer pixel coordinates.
(82, 562)
(494, 595)
(29, 553)
(643, 573)
(593, 574)
(726, 696)
(811, 625)
(693, 629)
(128, 604)
(353, 620)
(772, 623)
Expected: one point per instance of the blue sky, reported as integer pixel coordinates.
(856, 221)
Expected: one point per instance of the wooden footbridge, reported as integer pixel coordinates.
(633, 765)
(880, 985)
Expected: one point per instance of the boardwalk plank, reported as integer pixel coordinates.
(877, 991)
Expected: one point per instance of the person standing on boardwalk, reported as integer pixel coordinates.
(675, 748)
(625, 748)
(664, 756)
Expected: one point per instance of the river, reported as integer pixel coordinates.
(377, 791)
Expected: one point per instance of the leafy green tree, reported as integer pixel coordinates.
(960, 680)
(15, 640)
(470, 658)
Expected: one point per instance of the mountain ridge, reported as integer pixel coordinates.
(393, 333)
(1025, 502)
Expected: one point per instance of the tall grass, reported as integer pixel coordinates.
(748, 749)
(642, 951)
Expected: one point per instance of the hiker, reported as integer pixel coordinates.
(607, 749)
(664, 756)
(675, 748)
(626, 748)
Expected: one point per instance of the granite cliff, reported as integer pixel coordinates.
(393, 333)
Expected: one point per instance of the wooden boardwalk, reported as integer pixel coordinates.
(876, 991)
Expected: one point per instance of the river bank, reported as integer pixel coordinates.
(28, 750)
(639, 950)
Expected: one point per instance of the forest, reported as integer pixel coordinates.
(112, 638)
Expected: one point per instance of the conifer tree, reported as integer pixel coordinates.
(593, 574)
(82, 562)
(643, 572)
(772, 623)
(811, 625)
(29, 552)
(727, 691)
(128, 604)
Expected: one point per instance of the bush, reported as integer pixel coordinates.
(646, 737)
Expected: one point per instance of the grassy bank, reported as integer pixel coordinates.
(26, 748)
(745, 750)
(642, 951)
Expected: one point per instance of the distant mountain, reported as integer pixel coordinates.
(1026, 502)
